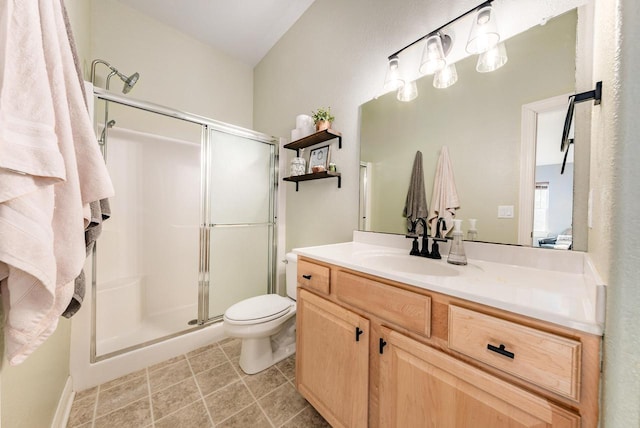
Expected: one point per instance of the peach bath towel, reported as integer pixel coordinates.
(444, 200)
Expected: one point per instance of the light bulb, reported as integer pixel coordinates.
(408, 92)
(492, 59)
(392, 80)
(432, 55)
(445, 77)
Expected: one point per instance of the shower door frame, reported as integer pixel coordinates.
(208, 125)
(207, 225)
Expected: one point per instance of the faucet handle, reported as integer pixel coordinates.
(442, 222)
(415, 251)
(435, 251)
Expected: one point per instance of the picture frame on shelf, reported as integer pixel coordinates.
(319, 157)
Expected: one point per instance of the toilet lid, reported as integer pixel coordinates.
(259, 309)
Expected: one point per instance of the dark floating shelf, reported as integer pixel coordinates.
(314, 176)
(315, 138)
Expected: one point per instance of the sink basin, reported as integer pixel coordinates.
(407, 264)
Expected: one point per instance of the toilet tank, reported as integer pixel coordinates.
(291, 277)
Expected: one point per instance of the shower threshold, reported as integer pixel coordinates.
(151, 330)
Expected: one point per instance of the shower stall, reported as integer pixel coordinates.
(192, 228)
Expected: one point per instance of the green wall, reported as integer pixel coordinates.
(478, 119)
(31, 391)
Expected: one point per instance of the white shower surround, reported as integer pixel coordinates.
(147, 276)
(131, 327)
(86, 375)
(138, 298)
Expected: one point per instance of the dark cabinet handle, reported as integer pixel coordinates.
(306, 276)
(358, 333)
(501, 351)
(382, 345)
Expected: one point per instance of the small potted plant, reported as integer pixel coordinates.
(323, 118)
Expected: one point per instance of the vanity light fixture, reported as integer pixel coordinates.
(392, 80)
(492, 59)
(484, 40)
(408, 92)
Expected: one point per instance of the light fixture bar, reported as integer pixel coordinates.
(486, 3)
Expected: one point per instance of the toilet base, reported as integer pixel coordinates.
(262, 359)
(258, 354)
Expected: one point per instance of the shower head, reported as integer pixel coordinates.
(128, 84)
(111, 123)
(129, 81)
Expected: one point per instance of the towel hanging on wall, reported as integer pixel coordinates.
(444, 200)
(50, 169)
(415, 206)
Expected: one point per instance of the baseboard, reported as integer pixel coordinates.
(61, 417)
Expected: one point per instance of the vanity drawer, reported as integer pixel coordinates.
(403, 308)
(545, 359)
(313, 276)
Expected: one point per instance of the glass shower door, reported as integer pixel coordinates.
(241, 223)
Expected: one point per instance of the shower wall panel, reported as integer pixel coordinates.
(147, 269)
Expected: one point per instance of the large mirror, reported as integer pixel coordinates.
(480, 119)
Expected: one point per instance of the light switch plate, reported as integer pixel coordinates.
(505, 211)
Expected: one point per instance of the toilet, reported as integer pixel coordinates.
(266, 324)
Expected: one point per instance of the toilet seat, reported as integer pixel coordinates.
(258, 309)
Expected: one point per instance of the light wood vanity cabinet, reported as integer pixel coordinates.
(313, 276)
(333, 351)
(546, 359)
(434, 360)
(423, 387)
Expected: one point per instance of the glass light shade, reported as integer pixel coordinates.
(492, 59)
(392, 80)
(408, 92)
(484, 32)
(432, 56)
(445, 77)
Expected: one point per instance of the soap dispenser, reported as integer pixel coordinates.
(472, 233)
(456, 253)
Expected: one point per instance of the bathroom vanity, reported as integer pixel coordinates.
(385, 339)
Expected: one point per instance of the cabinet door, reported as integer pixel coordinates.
(332, 367)
(423, 387)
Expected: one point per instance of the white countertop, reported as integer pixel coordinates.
(568, 298)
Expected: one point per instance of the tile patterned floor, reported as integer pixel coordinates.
(204, 388)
